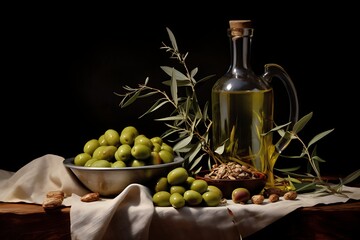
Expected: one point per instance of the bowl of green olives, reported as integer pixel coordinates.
(110, 162)
(109, 181)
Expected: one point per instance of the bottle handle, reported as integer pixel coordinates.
(274, 70)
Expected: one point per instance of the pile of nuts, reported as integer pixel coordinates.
(242, 196)
(273, 197)
(233, 171)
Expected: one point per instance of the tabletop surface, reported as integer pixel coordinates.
(333, 221)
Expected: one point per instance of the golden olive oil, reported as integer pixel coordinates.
(240, 120)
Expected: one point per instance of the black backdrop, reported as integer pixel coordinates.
(62, 65)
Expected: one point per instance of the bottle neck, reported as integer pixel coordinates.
(240, 47)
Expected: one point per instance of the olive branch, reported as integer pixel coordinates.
(308, 152)
(191, 124)
(188, 120)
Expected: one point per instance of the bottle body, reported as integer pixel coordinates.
(240, 117)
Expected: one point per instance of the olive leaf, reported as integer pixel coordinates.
(351, 177)
(277, 129)
(318, 137)
(172, 39)
(174, 88)
(183, 143)
(158, 104)
(131, 99)
(300, 124)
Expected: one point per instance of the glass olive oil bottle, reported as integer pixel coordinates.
(243, 105)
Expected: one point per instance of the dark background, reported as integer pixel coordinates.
(62, 65)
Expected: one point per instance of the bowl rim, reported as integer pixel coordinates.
(69, 163)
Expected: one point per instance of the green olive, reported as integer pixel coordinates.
(162, 199)
(157, 140)
(101, 163)
(128, 135)
(162, 185)
(140, 151)
(112, 137)
(212, 188)
(99, 152)
(199, 185)
(189, 181)
(142, 139)
(102, 141)
(81, 159)
(89, 162)
(156, 147)
(90, 146)
(118, 164)
(177, 189)
(123, 153)
(105, 152)
(166, 156)
(211, 198)
(137, 163)
(165, 146)
(130, 129)
(192, 197)
(155, 158)
(177, 200)
(177, 176)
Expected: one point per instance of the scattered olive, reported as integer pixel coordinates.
(177, 189)
(186, 190)
(199, 185)
(177, 176)
(192, 197)
(212, 188)
(240, 195)
(189, 180)
(177, 200)
(162, 185)
(162, 199)
(211, 198)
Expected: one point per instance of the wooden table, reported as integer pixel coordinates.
(335, 221)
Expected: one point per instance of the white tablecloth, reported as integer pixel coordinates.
(132, 215)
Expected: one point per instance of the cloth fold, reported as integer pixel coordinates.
(127, 216)
(44, 174)
(132, 215)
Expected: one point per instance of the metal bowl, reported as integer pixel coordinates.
(112, 181)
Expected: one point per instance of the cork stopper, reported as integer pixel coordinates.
(238, 28)
(240, 23)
